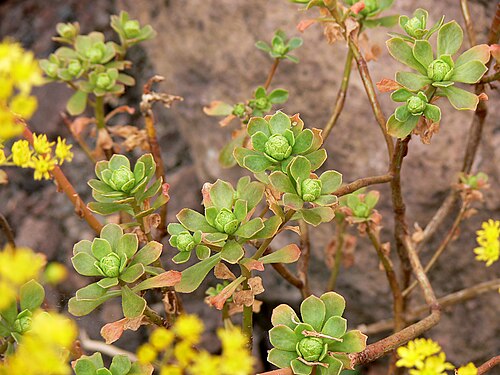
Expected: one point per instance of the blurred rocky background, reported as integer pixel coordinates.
(205, 50)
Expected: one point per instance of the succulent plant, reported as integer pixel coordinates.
(416, 26)
(280, 46)
(361, 206)
(406, 117)
(130, 31)
(119, 188)
(300, 187)
(439, 71)
(114, 258)
(318, 341)
(15, 322)
(263, 102)
(276, 142)
(120, 365)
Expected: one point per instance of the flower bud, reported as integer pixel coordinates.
(239, 109)
(103, 81)
(185, 241)
(261, 103)
(361, 210)
(278, 147)
(280, 49)
(416, 105)
(414, 27)
(437, 70)
(226, 221)
(311, 189)
(110, 265)
(67, 30)
(23, 322)
(74, 68)
(131, 28)
(121, 179)
(51, 70)
(96, 52)
(312, 349)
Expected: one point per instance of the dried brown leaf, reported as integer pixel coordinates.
(387, 85)
(111, 332)
(222, 272)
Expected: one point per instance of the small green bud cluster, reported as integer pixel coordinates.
(439, 70)
(278, 147)
(311, 189)
(312, 349)
(226, 221)
(110, 265)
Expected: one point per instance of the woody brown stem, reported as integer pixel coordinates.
(271, 73)
(487, 366)
(7, 230)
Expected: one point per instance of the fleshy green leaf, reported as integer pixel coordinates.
(316, 158)
(401, 95)
(450, 37)
(399, 129)
(412, 81)
(300, 168)
(432, 112)
(422, 50)
(101, 248)
(335, 326)
(334, 303)
(334, 366)
(84, 264)
(287, 254)
(108, 282)
(300, 368)
(132, 273)
(222, 194)
(460, 99)
(112, 233)
(91, 291)
(232, 252)
(278, 96)
(330, 181)
(353, 342)
(279, 122)
(148, 254)
(193, 276)
(133, 305)
(31, 295)
(283, 338)
(257, 124)
(313, 311)
(284, 314)
(292, 201)
(470, 72)
(271, 226)
(120, 365)
(282, 182)
(281, 358)
(194, 221)
(164, 279)
(218, 108)
(249, 229)
(127, 245)
(77, 103)
(480, 52)
(403, 53)
(303, 142)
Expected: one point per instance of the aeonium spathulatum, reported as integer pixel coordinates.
(416, 27)
(114, 257)
(301, 187)
(439, 71)
(120, 365)
(318, 341)
(276, 140)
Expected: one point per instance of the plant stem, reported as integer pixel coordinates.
(303, 262)
(339, 102)
(370, 91)
(247, 323)
(154, 317)
(485, 367)
(464, 4)
(340, 234)
(271, 73)
(267, 241)
(64, 185)
(392, 279)
(446, 301)
(7, 230)
(442, 246)
(362, 182)
(83, 145)
(99, 112)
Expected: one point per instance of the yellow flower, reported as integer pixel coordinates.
(9, 53)
(41, 144)
(43, 164)
(55, 273)
(63, 152)
(9, 127)
(189, 328)
(236, 359)
(21, 153)
(2, 155)
(184, 353)
(146, 353)
(161, 338)
(20, 266)
(44, 349)
(416, 351)
(469, 369)
(26, 72)
(489, 242)
(205, 364)
(170, 370)
(434, 365)
(23, 105)
(7, 294)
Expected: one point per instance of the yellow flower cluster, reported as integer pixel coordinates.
(19, 72)
(488, 239)
(44, 349)
(17, 266)
(174, 350)
(424, 357)
(40, 157)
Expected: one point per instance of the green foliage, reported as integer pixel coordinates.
(276, 141)
(360, 205)
(92, 65)
(16, 319)
(263, 102)
(280, 46)
(120, 365)
(319, 340)
(119, 188)
(116, 259)
(436, 72)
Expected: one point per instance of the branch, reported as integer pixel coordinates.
(63, 184)
(468, 23)
(99, 346)
(488, 365)
(340, 234)
(446, 301)
(271, 73)
(362, 182)
(303, 262)
(339, 102)
(4, 224)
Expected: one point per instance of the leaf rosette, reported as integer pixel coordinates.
(276, 141)
(120, 365)
(320, 340)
